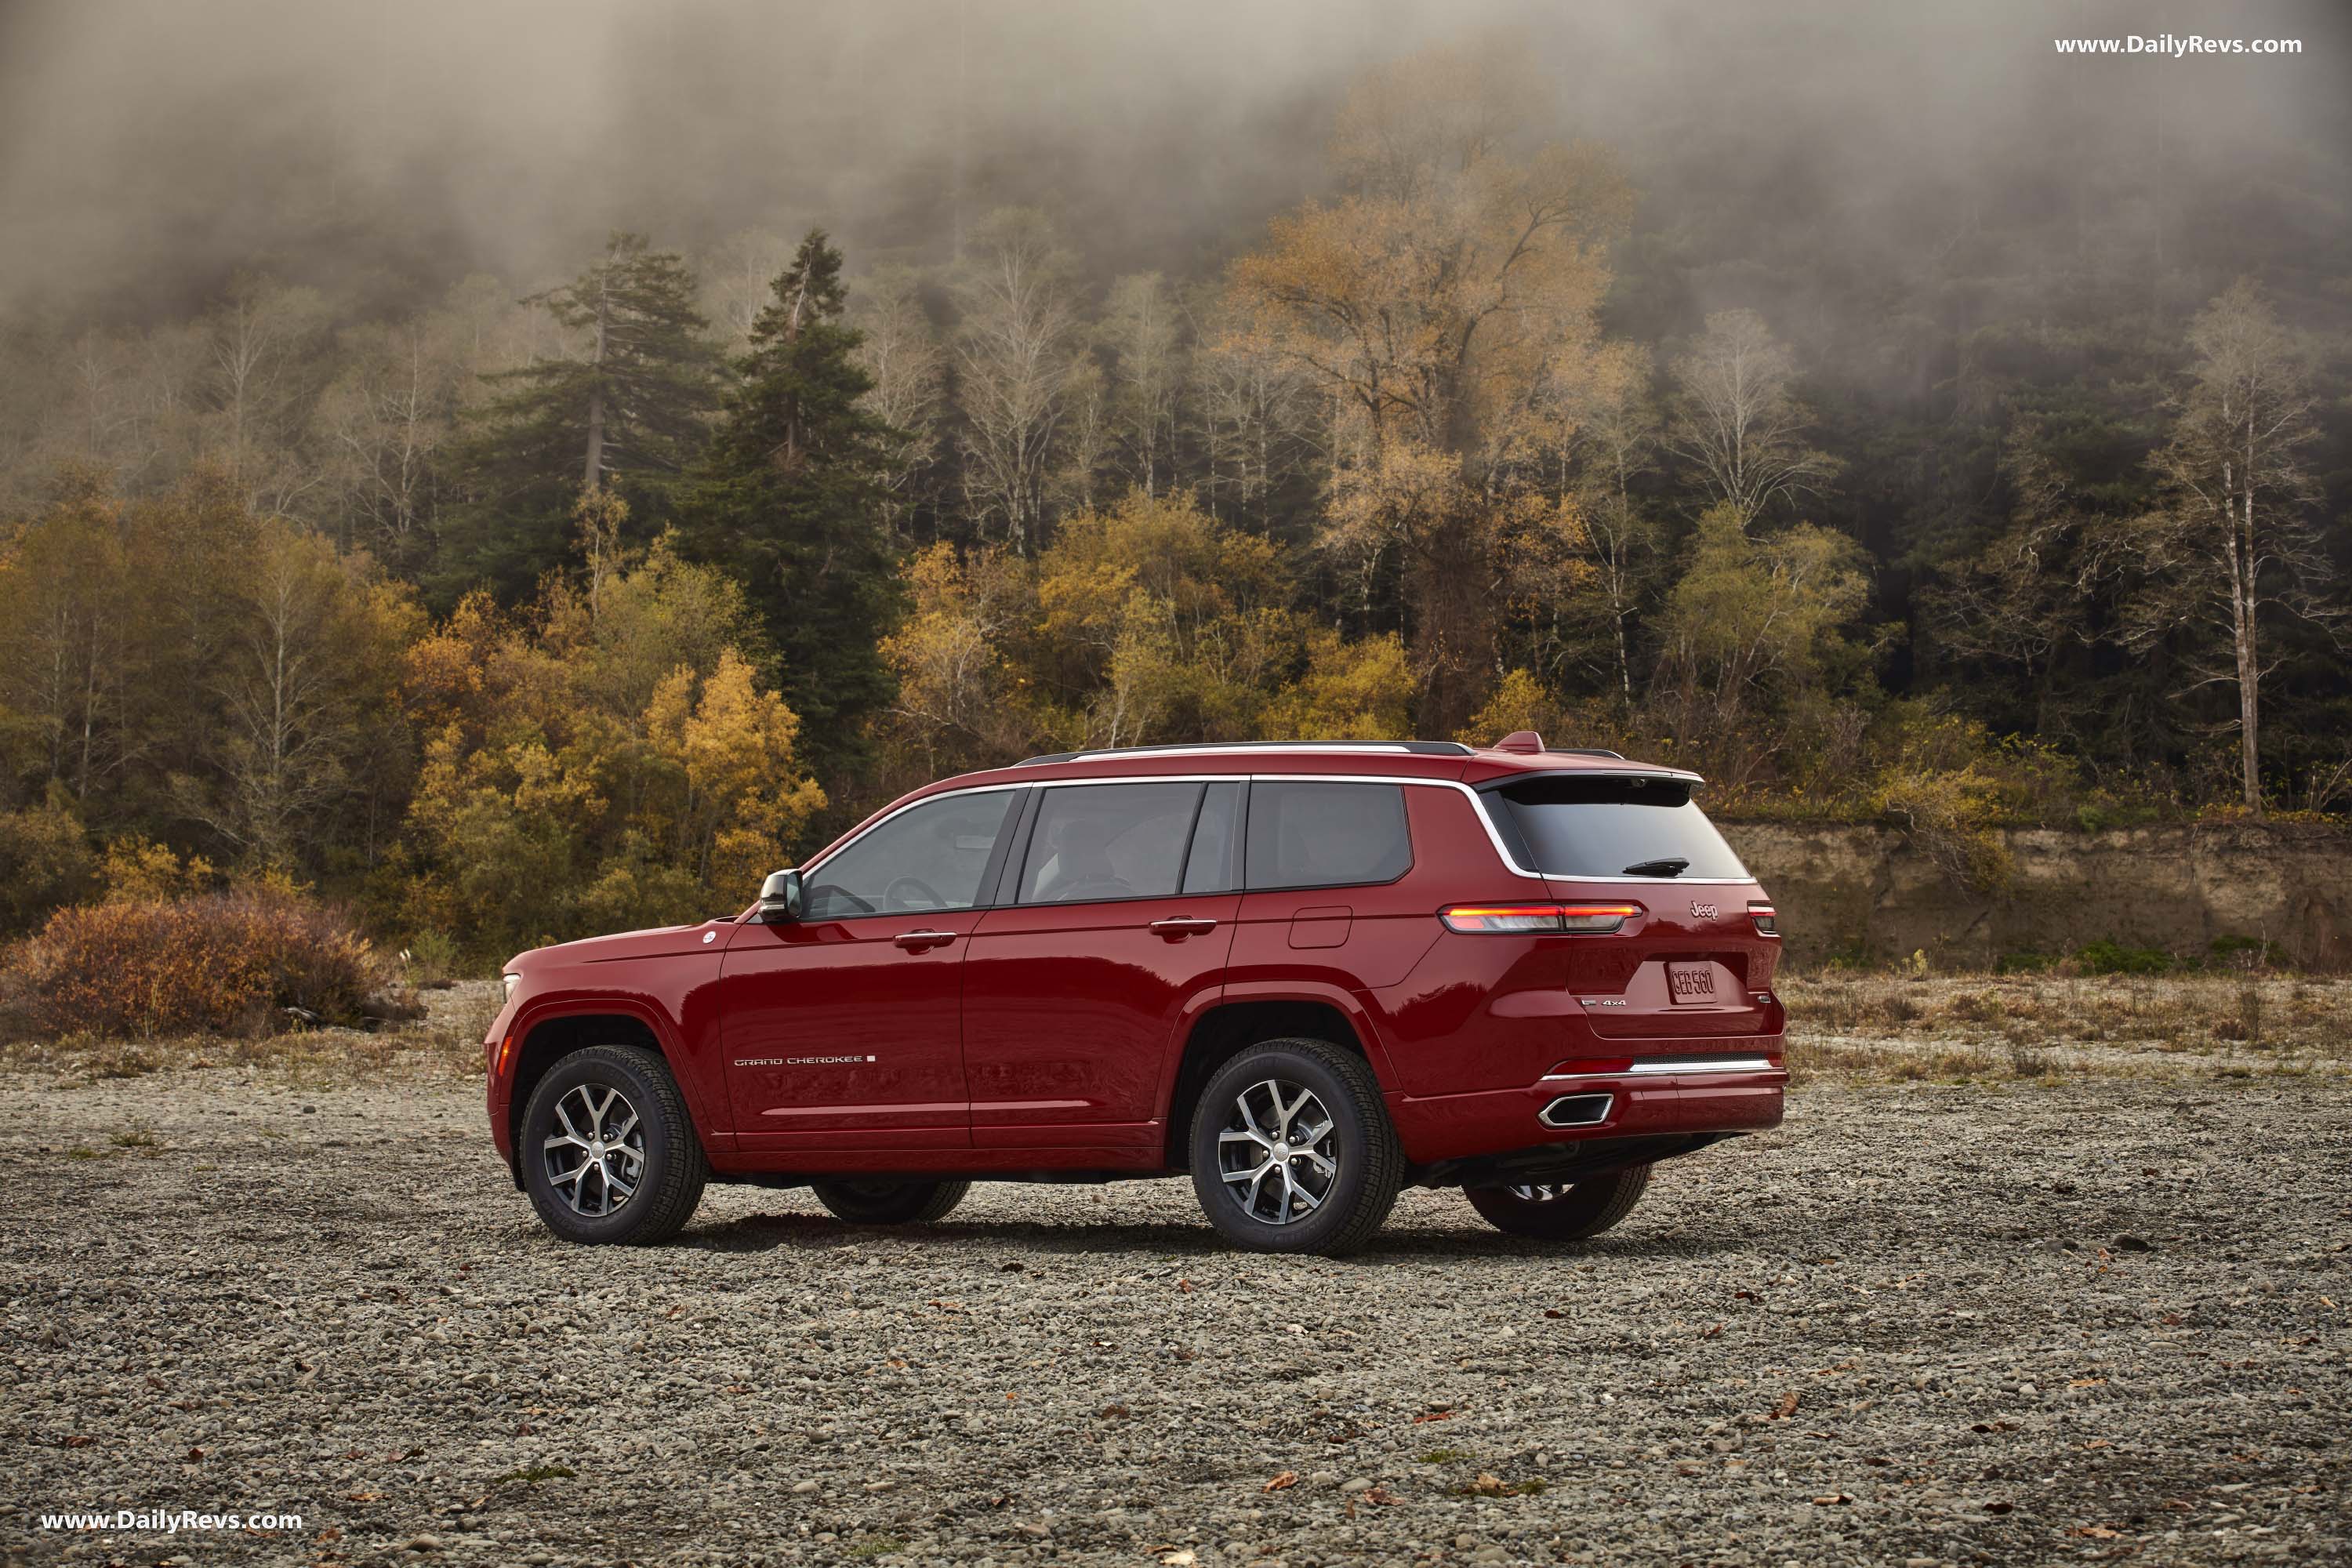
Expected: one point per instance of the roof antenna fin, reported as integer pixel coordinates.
(1523, 741)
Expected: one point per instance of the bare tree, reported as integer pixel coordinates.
(1736, 417)
(262, 340)
(903, 354)
(389, 415)
(1014, 350)
(1141, 329)
(2231, 545)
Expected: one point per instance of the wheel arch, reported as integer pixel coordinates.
(1238, 1022)
(550, 1037)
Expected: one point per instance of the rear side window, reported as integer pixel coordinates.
(1109, 841)
(1305, 834)
(1571, 825)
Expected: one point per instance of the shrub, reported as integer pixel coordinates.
(2246, 952)
(2105, 957)
(221, 963)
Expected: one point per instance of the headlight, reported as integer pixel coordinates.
(513, 981)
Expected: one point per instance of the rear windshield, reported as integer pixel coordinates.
(1571, 825)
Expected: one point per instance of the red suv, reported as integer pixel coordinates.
(1308, 974)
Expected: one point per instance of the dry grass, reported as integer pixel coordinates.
(1974, 1027)
(444, 1043)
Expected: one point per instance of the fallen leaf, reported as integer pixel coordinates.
(1787, 1407)
(1433, 1416)
(1283, 1483)
(1714, 1334)
(1554, 1312)
(2000, 1507)
(2084, 1382)
(78, 1441)
(2095, 1531)
(1486, 1486)
(363, 1497)
(1381, 1497)
(1831, 1500)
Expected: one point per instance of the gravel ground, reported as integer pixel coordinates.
(1918, 1324)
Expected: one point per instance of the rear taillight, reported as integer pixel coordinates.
(1502, 920)
(1766, 922)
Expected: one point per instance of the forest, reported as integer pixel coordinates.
(504, 589)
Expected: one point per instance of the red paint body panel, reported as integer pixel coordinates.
(1052, 1037)
(796, 995)
(1070, 1013)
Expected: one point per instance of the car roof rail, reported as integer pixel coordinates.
(1586, 751)
(1412, 747)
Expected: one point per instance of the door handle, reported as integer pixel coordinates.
(1176, 928)
(917, 941)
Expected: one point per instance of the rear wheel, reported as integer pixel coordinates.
(608, 1153)
(889, 1202)
(1293, 1152)
(1562, 1213)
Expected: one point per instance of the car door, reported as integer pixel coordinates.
(843, 1029)
(1111, 935)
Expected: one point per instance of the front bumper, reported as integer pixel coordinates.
(1732, 1087)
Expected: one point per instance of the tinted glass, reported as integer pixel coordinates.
(1109, 841)
(1215, 863)
(1306, 835)
(1570, 826)
(930, 856)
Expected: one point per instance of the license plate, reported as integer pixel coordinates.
(1691, 982)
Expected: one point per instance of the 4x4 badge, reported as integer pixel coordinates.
(1702, 911)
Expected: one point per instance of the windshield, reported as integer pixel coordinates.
(1567, 825)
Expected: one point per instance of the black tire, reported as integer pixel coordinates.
(889, 1201)
(1587, 1208)
(1350, 1203)
(670, 1166)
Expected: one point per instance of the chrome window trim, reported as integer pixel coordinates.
(1477, 809)
(901, 811)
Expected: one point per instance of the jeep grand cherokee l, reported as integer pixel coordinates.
(1307, 974)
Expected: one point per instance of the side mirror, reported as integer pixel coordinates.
(780, 898)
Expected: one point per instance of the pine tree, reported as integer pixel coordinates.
(624, 409)
(790, 497)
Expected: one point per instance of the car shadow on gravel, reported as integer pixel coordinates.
(766, 1232)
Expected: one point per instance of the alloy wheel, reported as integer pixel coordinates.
(1540, 1193)
(596, 1155)
(1279, 1152)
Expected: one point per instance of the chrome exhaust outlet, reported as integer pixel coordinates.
(1577, 1111)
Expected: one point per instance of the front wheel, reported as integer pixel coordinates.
(887, 1202)
(1293, 1152)
(1562, 1213)
(608, 1151)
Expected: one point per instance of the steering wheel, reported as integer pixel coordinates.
(890, 894)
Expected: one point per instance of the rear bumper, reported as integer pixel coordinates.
(1735, 1086)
